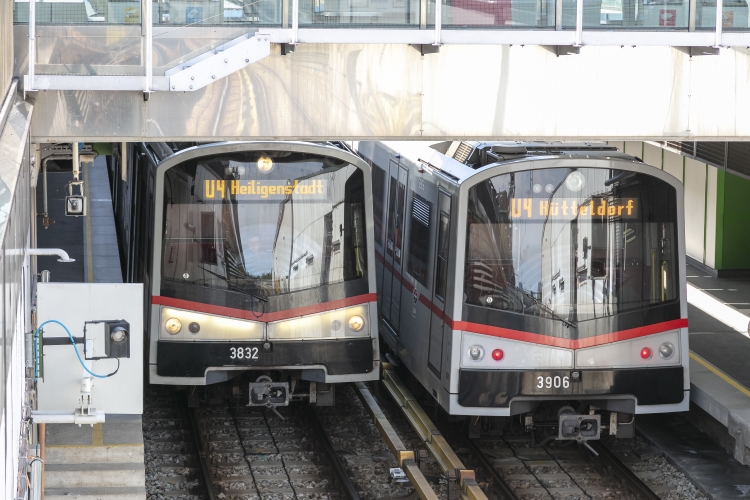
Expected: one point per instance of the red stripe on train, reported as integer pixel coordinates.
(506, 333)
(536, 338)
(265, 317)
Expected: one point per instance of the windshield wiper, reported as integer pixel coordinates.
(234, 287)
(546, 309)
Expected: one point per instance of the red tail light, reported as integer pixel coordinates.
(498, 354)
(645, 353)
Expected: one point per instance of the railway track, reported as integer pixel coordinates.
(517, 471)
(220, 451)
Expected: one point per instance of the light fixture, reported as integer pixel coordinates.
(265, 164)
(356, 323)
(194, 327)
(575, 181)
(666, 350)
(476, 352)
(498, 354)
(173, 326)
(646, 353)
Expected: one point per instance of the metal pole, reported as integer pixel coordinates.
(719, 23)
(558, 14)
(285, 13)
(147, 30)
(579, 22)
(76, 162)
(693, 6)
(32, 43)
(295, 21)
(438, 20)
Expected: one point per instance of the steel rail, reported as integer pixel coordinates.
(633, 482)
(434, 441)
(404, 457)
(343, 477)
(201, 455)
(498, 484)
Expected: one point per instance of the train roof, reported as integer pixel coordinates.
(461, 160)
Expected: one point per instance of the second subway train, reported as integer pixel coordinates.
(544, 281)
(255, 260)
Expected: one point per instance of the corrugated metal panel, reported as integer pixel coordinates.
(682, 147)
(712, 153)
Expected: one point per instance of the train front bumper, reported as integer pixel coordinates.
(500, 389)
(194, 359)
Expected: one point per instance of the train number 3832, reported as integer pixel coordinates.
(244, 353)
(550, 382)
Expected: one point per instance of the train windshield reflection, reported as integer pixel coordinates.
(264, 226)
(571, 244)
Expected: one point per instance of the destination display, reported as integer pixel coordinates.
(570, 208)
(309, 188)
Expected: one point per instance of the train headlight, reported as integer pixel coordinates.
(265, 164)
(476, 352)
(173, 326)
(194, 327)
(646, 353)
(666, 350)
(575, 181)
(498, 354)
(356, 323)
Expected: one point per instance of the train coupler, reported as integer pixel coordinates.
(580, 428)
(265, 392)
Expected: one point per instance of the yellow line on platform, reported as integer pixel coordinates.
(726, 378)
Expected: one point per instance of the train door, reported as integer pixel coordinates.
(439, 290)
(394, 245)
(379, 187)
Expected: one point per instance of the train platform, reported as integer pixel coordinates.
(718, 313)
(103, 461)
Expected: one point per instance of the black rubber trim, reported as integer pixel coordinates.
(495, 389)
(191, 359)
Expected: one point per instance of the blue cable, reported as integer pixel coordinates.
(72, 341)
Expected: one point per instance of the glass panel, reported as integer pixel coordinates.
(571, 244)
(628, 14)
(231, 225)
(734, 15)
(419, 238)
(348, 13)
(496, 14)
(179, 12)
(378, 185)
(442, 256)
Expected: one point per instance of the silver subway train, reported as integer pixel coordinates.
(257, 259)
(544, 281)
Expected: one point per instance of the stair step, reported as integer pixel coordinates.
(77, 454)
(89, 475)
(131, 493)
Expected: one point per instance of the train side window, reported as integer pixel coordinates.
(208, 242)
(442, 255)
(378, 186)
(391, 217)
(419, 238)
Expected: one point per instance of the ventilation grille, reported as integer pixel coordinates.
(462, 153)
(738, 158)
(420, 211)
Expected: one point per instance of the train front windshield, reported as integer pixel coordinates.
(247, 225)
(572, 245)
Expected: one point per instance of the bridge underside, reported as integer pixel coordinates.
(352, 91)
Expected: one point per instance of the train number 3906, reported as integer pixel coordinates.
(243, 353)
(549, 382)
